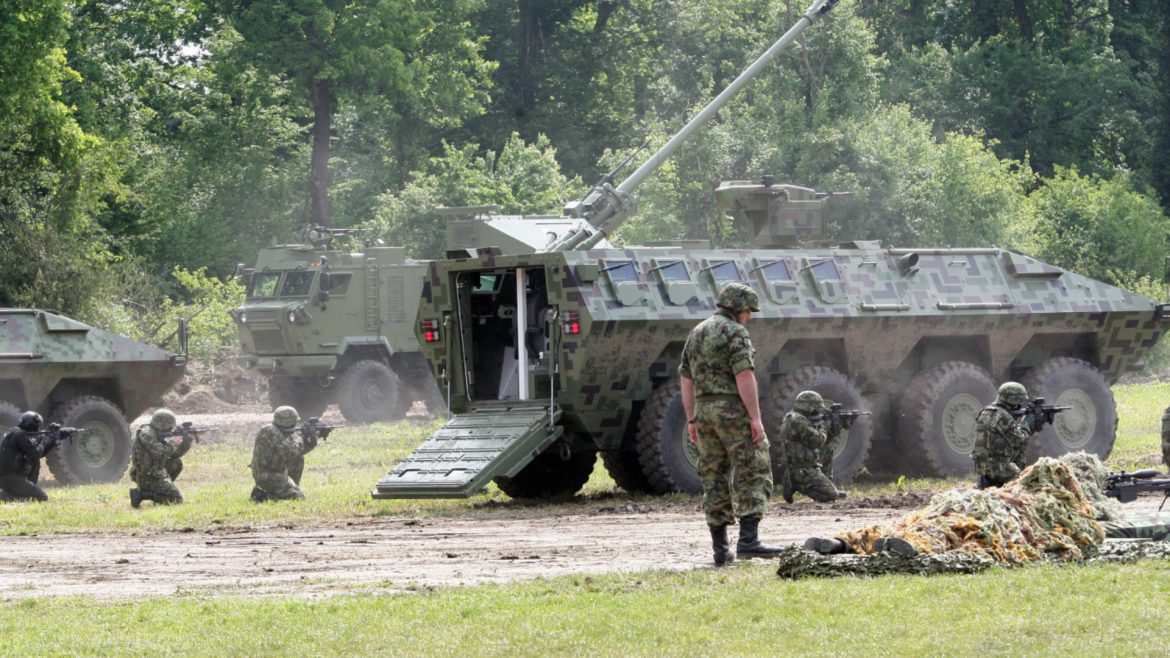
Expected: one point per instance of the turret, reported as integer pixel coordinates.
(606, 207)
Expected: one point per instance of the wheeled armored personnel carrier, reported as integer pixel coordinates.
(552, 357)
(79, 376)
(337, 325)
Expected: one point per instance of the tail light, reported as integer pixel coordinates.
(430, 331)
(572, 324)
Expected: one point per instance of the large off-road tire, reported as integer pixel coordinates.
(367, 392)
(100, 453)
(669, 460)
(9, 416)
(1091, 424)
(936, 418)
(625, 467)
(302, 394)
(832, 385)
(550, 475)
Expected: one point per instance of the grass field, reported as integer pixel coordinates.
(745, 610)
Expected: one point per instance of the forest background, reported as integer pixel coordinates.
(148, 146)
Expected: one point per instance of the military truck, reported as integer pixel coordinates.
(79, 376)
(552, 357)
(326, 324)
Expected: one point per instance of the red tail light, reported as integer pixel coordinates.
(430, 331)
(572, 325)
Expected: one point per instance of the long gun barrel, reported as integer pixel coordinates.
(1125, 487)
(606, 207)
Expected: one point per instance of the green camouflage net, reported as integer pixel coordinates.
(1043, 515)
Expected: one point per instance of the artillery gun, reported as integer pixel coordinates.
(549, 358)
(328, 323)
(82, 377)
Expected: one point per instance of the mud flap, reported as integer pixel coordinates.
(459, 460)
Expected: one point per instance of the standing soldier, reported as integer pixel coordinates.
(1001, 437)
(720, 395)
(804, 441)
(279, 455)
(157, 459)
(21, 450)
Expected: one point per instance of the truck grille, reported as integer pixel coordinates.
(268, 341)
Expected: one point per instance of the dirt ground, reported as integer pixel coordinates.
(388, 555)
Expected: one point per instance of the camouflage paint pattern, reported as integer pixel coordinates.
(47, 359)
(805, 445)
(736, 473)
(155, 463)
(273, 453)
(1001, 442)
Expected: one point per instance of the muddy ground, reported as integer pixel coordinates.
(388, 555)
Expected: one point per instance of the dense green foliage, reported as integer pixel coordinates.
(144, 135)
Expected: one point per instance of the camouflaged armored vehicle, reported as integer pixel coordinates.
(79, 376)
(553, 357)
(327, 324)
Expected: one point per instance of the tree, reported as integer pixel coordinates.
(380, 51)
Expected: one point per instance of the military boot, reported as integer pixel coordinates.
(135, 498)
(749, 544)
(789, 491)
(824, 545)
(258, 495)
(895, 545)
(841, 495)
(722, 546)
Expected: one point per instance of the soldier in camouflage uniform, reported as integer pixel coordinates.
(720, 395)
(834, 436)
(156, 460)
(278, 455)
(1001, 437)
(802, 433)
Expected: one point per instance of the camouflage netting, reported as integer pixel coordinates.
(1044, 514)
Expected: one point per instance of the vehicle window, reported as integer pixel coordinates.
(263, 284)
(777, 270)
(297, 284)
(725, 271)
(336, 283)
(676, 271)
(826, 270)
(622, 270)
(486, 283)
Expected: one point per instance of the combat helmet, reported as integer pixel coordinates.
(163, 420)
(738, 297)
(1013, 393)
(285, 417)
(30, 421)
(809, 403)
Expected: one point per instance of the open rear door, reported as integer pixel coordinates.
(460, 459)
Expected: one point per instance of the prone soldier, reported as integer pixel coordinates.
(21, 450)
(156, 458)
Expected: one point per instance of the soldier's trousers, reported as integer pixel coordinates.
(726, 452)
(278, 486)
(18, 487)
(162, 492)
(811, 481)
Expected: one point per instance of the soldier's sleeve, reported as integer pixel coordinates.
(288, 446)
(154, 446)
(808, 434)
(684, 365)
(740, 352)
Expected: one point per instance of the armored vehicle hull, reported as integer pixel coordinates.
(81, 377)
(919, 337)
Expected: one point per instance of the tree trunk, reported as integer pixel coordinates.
(527, 55)
(1024, 18)
(319, 176)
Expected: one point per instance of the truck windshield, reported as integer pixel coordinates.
(263, 284)
(297, 284)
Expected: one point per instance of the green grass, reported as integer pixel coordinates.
(741, 611)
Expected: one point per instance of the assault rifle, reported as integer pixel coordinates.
(1038, 413)
(839, 419)
(313, 428)
(185, 430)
(55, 432)
(1125, 487)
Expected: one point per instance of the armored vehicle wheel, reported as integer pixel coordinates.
(625, 467)
(668, 458)
(101, 452)
(834, 386)
(302, 394)
(9, 416)
(936, 417)
(367, 392)
(551, 474)
(1091, 424)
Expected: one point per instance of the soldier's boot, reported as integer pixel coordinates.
(135, 498)
(789, 491)
(895, 545)
(824, 545)
(258, 495)
(749, 544)
(842, 494)
(722, 546)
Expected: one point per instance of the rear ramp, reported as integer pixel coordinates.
(460, 459)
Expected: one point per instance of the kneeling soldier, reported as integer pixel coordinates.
(156, 460)
(278, 457)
